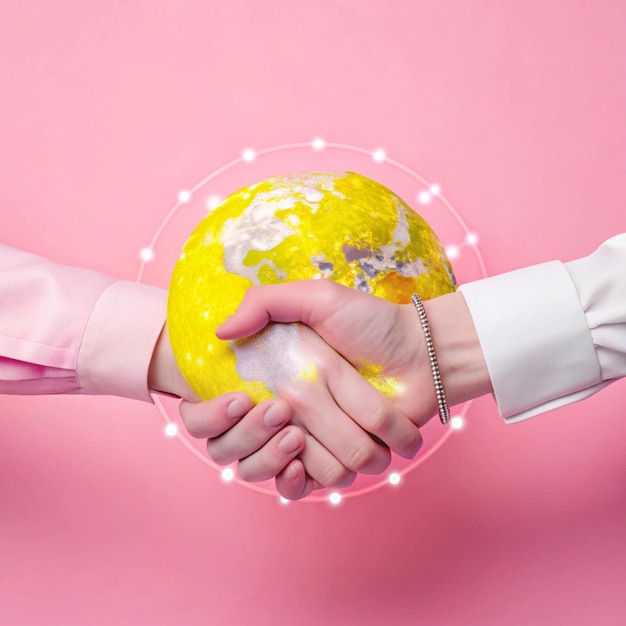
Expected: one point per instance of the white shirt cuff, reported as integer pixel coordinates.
(535, 338)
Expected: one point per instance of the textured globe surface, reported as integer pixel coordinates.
(340, 226)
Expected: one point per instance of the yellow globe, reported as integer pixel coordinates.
(340, 226)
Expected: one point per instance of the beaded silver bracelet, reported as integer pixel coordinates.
(442, 405)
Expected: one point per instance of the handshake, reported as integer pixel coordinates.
(321, 433)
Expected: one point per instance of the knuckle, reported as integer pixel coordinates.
(203, 430)
(201, 425)
(326, 288)
(361, 456)
(377, 420)
(328, 291)
(325, 296)
(336, 476)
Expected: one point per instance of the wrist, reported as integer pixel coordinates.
(460, 357)
(164, 375)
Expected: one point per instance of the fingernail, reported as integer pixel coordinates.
(274, 417)
(236, 409)
(289, 444)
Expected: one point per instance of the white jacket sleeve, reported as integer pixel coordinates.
(554, 333)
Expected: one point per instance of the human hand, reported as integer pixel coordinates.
(332, 443)
(367, 331)
(336, 447)
(376, 335)
(263, 441)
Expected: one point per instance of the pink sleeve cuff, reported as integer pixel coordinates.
(119, 339)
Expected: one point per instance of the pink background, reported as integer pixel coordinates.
(108, 109)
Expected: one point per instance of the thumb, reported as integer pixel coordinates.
(284, 302)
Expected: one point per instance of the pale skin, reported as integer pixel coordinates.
(317, 435)
(333, 446)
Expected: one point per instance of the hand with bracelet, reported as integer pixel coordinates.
(362, 329)
(540, 337)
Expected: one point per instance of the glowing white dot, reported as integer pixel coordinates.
(284, 500)
(452, 252)
(228, 474)
(394, 478)
(472, 239)
(213, 202)
(378, 155)
(171, 430)
(435, 189)
(334, 498)
(184, 196)
(318, 144)
(146, 254)
(248, 155)
(456, 422)
(424, 197)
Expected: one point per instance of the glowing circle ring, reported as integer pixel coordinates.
(428, 192)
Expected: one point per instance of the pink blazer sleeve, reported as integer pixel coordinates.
(71, 330)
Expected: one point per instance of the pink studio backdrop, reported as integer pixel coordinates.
(109, 109)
